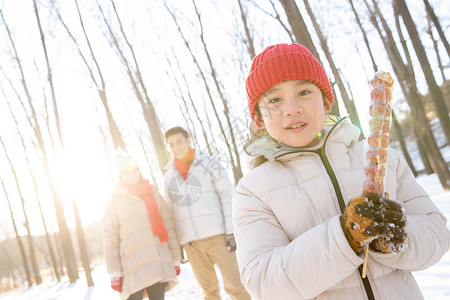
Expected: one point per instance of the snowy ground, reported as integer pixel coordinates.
(434, 282)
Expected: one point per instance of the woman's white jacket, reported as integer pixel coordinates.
(130, 248)
(290, 244)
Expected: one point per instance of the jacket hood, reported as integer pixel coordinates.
(272, 149)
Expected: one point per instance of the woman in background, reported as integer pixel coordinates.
(141, 249)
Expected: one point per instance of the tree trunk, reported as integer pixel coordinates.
(436, 50)
(147, 158)
(435, 92)
(49, 244)
(302, 36)
(401, 140)
(276, 16)
(114, 131)
(435, 20)
(153, 120)
(423, 153)
(139, 89)
(349, 103)
(248, 37)
(237, 171)
(410, 91)
(69, 253)
(233, 149)
(409, 63)
(56, 239)
(298, 26)
(34, 264)
(366, 40)
(82, 245)
(18, 239)
(191, 100)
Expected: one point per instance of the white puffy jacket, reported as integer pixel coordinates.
(130, 247)
(201, 204)
(290, 244)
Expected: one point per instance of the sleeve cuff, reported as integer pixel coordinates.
(115, 274)
(338, 234)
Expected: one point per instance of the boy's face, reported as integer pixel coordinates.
(293, 112)
(179, 145)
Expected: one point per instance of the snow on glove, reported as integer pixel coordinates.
(374, 218)
(116, 283)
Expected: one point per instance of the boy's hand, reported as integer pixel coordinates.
(374, 219)
(116, 283)
(231, 242)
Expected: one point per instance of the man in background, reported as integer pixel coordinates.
(199, 192)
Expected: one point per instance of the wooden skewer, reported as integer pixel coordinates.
(364, 269)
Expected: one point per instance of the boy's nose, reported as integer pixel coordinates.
(292, 108)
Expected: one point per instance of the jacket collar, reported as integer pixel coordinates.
(272, 149)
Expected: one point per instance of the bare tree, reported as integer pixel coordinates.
(375, 69)
(47, 236)
(435, 92)
(18, 239)
(147, 158)
(82, 245)
(401, 140)
(348, 102)
(303, 36)
(99, 83)
(409, 89)
(366, 39)
(436, 23)
(34, 264)
(248, 36)
(233, 152)
(403, 42)
(436, 49)
(69, 253)
(191, 100)
(275, 16)
(409, 66)
(298, 26)
(34, 124)
(139, 88)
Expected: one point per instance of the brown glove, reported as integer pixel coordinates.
(376, 220)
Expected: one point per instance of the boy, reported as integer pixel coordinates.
(286, 212)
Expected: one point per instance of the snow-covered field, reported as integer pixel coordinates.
(434, 282)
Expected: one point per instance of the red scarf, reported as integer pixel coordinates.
(143, 189)
(183, 165)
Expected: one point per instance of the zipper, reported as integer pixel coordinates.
(326, 162)
(332, 175)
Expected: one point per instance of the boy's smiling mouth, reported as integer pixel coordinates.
(296, 125)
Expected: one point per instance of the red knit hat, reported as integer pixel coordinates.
(282, 62)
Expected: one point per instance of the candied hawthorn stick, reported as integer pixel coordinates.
(378, 140)
(380, 112)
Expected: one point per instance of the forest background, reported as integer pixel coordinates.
(82, 80)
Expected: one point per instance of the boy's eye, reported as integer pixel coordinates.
(274, 100)
(304, 93)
